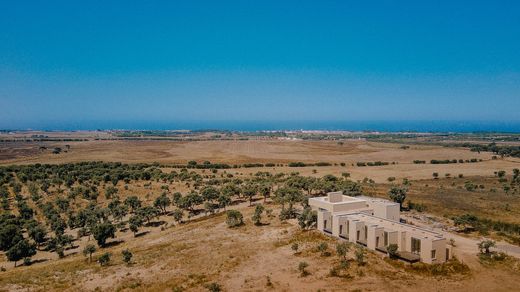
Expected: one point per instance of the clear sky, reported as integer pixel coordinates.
(79, 61)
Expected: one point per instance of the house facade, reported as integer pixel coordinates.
(375, 223)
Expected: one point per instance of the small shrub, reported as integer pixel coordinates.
(104, 259)
(485, 246)
(452, 242)
(391, 249)
(302, 266)
(342, 250)
(360, 256)
(127, 256)
(269, 283)
(323, 249)
(214, 287)
(334, 272)
(295, 247)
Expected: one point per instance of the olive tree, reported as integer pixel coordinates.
(103, 231)
(21, 250)
(234, 218)
(398, 195)
(89, 250)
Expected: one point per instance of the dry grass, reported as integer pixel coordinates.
(249, 258)
(263, 151)
(448, 197)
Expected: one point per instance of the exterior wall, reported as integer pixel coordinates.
(380, 233)
(393, 212)
(440, 250)
(343, 221)
(335, 225)
(335, 197)
(317, 204)
(327, 216)
(426, 249)
(354, 225)
(402, 242)
(348, 206)
(339, 206)
(371, 237)
(374, 232)
(379, 210)
(393, 237)
(360, 226)
(322, 216)
(387, 211)
(319, 224)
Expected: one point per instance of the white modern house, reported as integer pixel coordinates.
(375, 223)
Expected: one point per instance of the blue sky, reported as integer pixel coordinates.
(81, 61)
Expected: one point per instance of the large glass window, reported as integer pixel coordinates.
(416, 245)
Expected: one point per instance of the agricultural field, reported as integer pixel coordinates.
(230, 214)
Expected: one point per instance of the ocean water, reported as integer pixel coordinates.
(382, 126)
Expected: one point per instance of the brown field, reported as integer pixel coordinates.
(263, 151)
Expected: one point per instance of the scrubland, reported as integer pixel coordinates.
(200, 252)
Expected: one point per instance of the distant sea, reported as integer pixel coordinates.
(381, 126)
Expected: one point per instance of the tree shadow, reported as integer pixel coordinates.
(262, 224)
(238, 201)
(196, 212)
(254, 200)
(71, 247)
(38, 261)
(113, 243)
(141, 233)
(155, 223)
(71, 254)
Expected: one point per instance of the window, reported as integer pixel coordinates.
(377, 241)
(341, 229)
(416, 245)
(347, 227)
(366, 232)
(385, 238)
(325, 224)
(433, 254)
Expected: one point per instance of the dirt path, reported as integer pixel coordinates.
(465, 247)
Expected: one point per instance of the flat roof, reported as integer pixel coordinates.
(344, 200)
(378, 200)
(348, 199)
(387, 223)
